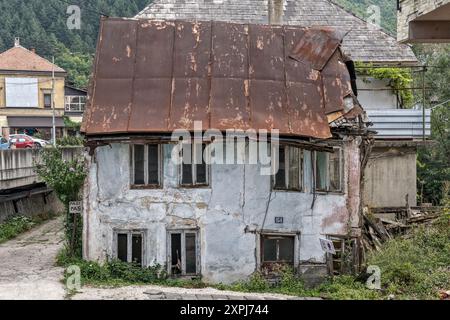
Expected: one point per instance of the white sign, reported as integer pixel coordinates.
(327, 246)
(75, 207)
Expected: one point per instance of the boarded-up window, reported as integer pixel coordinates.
(183, 249)
(328, 171)
(146, 165)
(22, 92)
(194, 170)
(129, 246)
(290, 169)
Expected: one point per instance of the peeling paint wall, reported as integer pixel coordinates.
(227, 213)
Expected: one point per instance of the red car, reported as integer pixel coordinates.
(22, 141)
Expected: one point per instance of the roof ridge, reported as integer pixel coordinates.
(341, 7)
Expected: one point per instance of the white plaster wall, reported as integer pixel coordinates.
(235, 202)
(373, 99)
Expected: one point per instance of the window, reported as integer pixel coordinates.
(345, 260)
(328, 171)
(75, 103)
(47, 100)
(194, 171)
(183, 252)
(277, 249)
(129, 246)
(146, 165)
(290, 169)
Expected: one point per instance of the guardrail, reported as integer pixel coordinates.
(17, 166)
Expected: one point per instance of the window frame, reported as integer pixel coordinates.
(287, 171)
(264, 263)
(194, 183)
(51, 99)
(146, 185)
(336, 263)
(183, 233)
(130, 234)
(327, 173)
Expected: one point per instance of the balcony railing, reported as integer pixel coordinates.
(75, 103)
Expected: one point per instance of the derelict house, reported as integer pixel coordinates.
(155, 80)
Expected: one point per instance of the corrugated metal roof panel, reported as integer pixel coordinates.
(157, 76)
(400, 123)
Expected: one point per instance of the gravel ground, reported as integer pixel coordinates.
(27, 264)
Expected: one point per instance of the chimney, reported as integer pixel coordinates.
(276, 11)
(17, 42)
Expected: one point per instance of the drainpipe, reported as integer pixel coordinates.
(275, 11)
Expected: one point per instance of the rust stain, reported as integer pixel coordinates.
(227, 75)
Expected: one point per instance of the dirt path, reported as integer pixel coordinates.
(27, 268)
(28, 272)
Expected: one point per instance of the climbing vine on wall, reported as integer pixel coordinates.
(66, 178)
(399, 79)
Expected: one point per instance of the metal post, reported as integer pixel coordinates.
(423, 102)
(53, 104)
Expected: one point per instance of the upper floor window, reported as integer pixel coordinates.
(194, 171)
(47, 100)
(290, 169)
(146, 165)
(75, 103)
(329, 169)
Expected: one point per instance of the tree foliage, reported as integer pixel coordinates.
(43, 25)
(434, 160)
(66, 178)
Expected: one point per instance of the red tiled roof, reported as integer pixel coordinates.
(21, 59)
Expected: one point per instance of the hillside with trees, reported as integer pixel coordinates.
(43, 25)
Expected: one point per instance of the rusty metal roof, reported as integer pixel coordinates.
(156, 76)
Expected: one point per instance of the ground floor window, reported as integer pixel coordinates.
(129, 246)
(277, 250)
(345, 260)
(183, 252)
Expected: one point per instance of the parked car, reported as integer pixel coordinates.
(30, 142)
(22, 141)
(4, 144)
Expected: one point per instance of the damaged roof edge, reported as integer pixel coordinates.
(227, 75)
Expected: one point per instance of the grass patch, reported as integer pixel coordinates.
(15, 226)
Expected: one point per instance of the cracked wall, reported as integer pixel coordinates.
(229, 213)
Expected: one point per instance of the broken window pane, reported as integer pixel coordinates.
(153, 164)
(270, 249)
(186, 174)
(321, 171)
(122, 247)
(136, 249)
(280, 176)
(175, 244)
(286, 249)
(334, 170)
(201, 169)
(191, 253)
(139, 160)
(294, 168)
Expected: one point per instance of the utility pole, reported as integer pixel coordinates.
(423, 103)
(53, 104)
